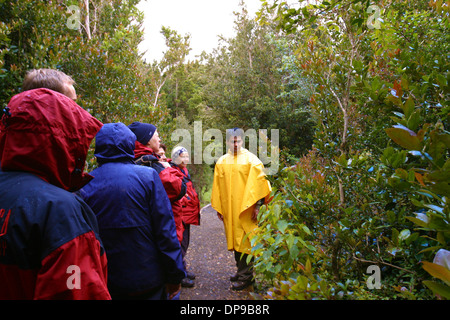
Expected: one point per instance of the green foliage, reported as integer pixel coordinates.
(438, 271)
(374, 189)
(172, 61)
(27, 41)
(250, 82)
(35, 34)
(183, 92)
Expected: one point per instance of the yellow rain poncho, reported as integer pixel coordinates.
(239, 182)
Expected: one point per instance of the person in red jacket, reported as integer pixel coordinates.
(50, 248)
(190, 202)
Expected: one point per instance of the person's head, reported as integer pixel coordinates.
(155, 142)
(235, 139)
(47, 134)
(180, 156)
(147, 134)
(114, 142)
(51, 79)
(162, 151)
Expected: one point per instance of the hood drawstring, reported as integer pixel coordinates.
(5, 115)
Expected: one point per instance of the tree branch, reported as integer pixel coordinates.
(382, 262)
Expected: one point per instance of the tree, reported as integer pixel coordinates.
(246, 85)
(173, 59)
(183, 92)
(94, 41)
(30, 37)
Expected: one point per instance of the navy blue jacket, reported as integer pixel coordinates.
(49, 245)
(134, 216)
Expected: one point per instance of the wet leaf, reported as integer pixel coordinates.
(404, 137)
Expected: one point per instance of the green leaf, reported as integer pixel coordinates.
(437, 271)
(342, 160)
(282, 225)
(441, 238)
(442, 188)
(376, 83)
(404, 137)
(308, 266)
(306, 229)
(414, 120)
(290, 241)
(276, 210)
(394, 250)
(394, 237)
(438, 288)
(435, 208)
(430, 249)
(441, 80)
(293, 252)
(408, 107)
(404, 234)
(417, 221)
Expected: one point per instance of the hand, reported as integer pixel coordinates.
(173, 290)
(219, 216)
(165, 164)
(255, 213)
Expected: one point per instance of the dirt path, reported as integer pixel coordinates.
(211, 262)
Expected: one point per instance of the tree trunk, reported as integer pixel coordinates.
(87, 26)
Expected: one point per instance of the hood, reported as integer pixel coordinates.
(49, 135)
(114, 142)
(141, 150)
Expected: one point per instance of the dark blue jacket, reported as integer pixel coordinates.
(49, 244)
(134, 217)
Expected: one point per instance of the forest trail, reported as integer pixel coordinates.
(211, 262)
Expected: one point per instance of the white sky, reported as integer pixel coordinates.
(205, 20)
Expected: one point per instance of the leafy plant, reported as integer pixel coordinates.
(357, 189)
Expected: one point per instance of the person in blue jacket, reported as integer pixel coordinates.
(135, 220)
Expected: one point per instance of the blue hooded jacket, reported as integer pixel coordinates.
(134, 217)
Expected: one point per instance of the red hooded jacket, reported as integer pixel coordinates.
(190, 202)
(49, 241)
(172, 180)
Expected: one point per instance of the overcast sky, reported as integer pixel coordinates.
(203, 19)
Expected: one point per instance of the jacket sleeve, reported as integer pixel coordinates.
(74, 271)
(173, 183)
(216, 197)
(165, 237)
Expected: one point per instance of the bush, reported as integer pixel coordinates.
(374, 189)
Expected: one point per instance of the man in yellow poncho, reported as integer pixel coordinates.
(240, 187)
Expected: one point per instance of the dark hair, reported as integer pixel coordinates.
(162, 145)
(47, 78)
(235, 132)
